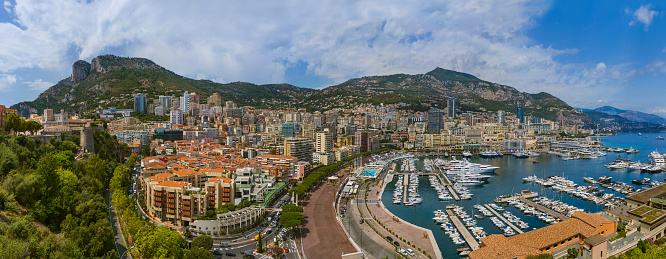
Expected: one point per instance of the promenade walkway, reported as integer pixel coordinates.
(508, 223)
(463, 230)
(323, 237)
(418, 236)
(544, 209)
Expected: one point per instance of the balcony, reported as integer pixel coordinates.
(187, 208)
(158, 194)
(186, 203)
(186, 214)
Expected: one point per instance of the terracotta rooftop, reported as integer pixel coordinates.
(592, 219)
(549, 235)
(498, 246)
(172, 184)
(223, 179)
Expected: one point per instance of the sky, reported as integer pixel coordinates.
(588, 53)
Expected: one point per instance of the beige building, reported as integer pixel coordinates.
(300, 148)
(324, 142)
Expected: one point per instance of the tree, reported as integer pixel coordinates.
(198, 253)
(643, 245)
(204, 242)
(541, 256)
(33, 126)
(572, 253)
(260, 246)
(14, 122)
(292, 208)
(145, 150)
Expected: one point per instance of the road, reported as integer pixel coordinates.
(118, 237)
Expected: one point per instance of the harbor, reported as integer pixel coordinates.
(508, 179)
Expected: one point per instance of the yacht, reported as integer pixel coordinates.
(466, 154)
(530, 178)
(659, 137)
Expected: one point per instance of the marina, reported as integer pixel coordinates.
(508, 179)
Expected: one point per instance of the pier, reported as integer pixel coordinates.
(405, 184)
(463, 231)
(544, 209)
(507, 222)
(446, 182)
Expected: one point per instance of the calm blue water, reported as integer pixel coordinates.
(508, 179)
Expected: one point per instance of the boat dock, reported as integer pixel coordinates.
(544, 209)
(405, 184)
(463, 231)
(453, 192)
(446, 182)
(507, 222)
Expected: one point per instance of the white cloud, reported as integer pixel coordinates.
(644, 15)
(8, 6)
(256, 40)
(39, 85)
(601, 66)
(6, 81)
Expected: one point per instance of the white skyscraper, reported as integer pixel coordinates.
(176, 117)
(185, 102)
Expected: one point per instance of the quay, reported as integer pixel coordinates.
(544, 209)
(473, 244)
(507, 222)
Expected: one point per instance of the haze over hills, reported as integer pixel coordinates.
(635, 116)
(111, 81)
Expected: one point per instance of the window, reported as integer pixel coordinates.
(562, 242)
(555, 246)
(570, 239)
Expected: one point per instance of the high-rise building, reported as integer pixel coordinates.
(500, 117)
(166, 102)
(140, 103)
(435, 121)
(194, 98)
(185, 102)
(324, 142)
(230, 104)
(519, 115)
(362, 139)
(300, 148)
(215, 100)
(451, 109)
(176, 117)
(288, 129)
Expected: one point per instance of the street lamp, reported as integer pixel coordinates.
(123, 256)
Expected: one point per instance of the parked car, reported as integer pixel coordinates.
(389, 238)
(217, 252)
(396, 243)
(225, 244)
(229, 253)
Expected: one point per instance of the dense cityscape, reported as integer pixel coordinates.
(358, 129)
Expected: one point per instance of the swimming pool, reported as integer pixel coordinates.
(369, 173)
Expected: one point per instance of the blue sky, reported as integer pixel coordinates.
(589, 53)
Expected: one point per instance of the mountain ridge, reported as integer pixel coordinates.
(111, 81)
(631, 115)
